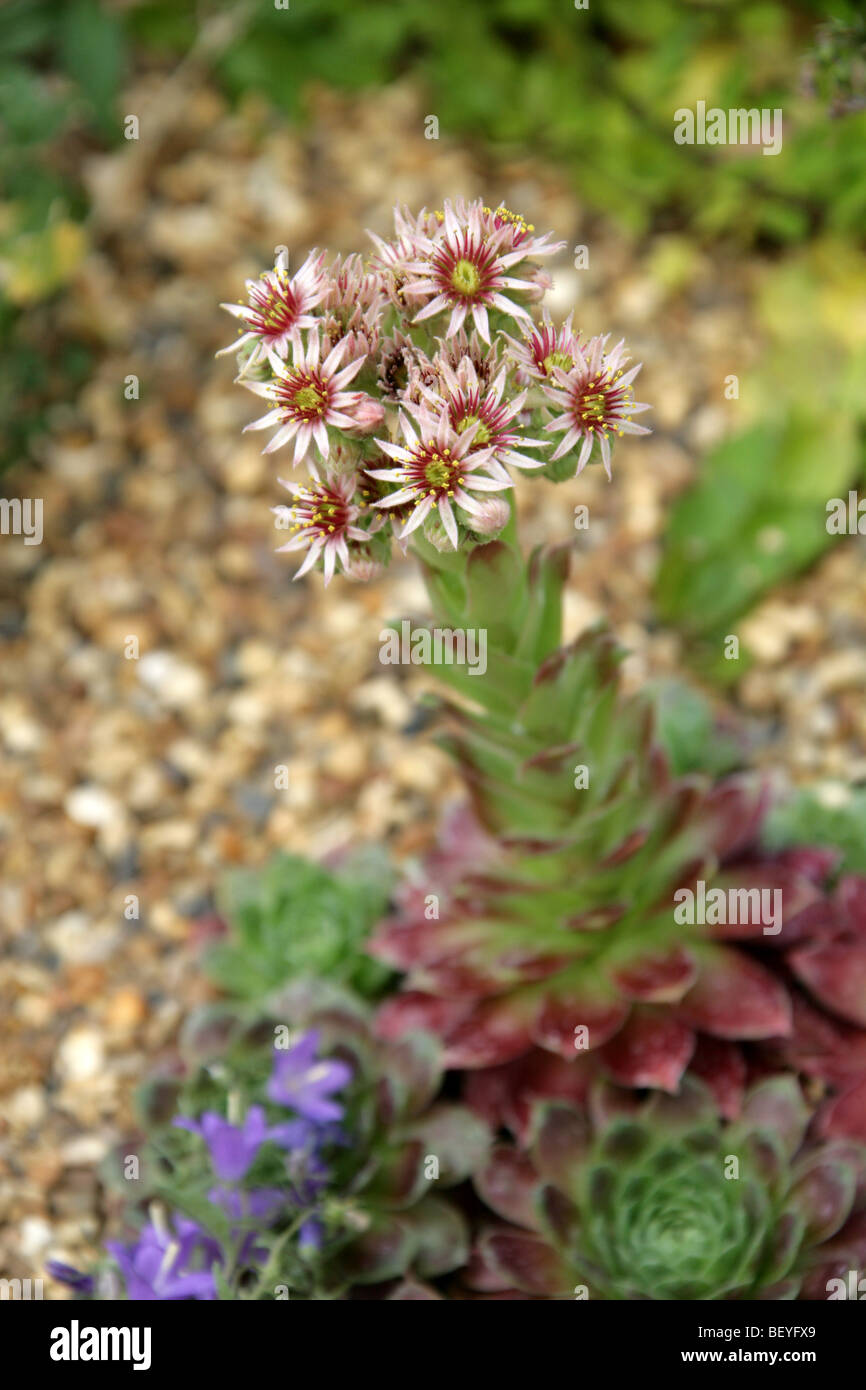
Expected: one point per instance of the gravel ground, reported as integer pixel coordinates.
(147, 777)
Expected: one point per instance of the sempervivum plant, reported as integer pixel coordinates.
(306, 1163)
(661, 1198)
(556, 922)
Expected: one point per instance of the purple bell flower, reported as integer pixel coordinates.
(305, 1084)
(155, 1267)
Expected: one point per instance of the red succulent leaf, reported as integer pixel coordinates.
(559, 1217)
(836, 974)
(657, 979)
(824, 1194)
(823, 1046)
(562, 1135)
(722, 1067)
(851, 897)
(496, 1031)
(736, 809)
(844, 1116)
(509, 1185)
(481, 1273)
(631, 845)
(413, 1011)
(651, 1049)
(846, 1252)
(526, 1261)
(504, 1096)
(776, 1105)
(813, 862)
(591, 1005)
(804, 908)
(734, 997)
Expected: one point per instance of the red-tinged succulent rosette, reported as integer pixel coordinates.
(662, 1198)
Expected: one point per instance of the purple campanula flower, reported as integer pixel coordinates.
(304, 1083)
(311, 1235)
(155, 1267)
(72, 1278)
(233, 1148)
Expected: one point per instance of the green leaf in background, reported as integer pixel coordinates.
(690, 732)
(832, 815)
(92, 54)
(756, 517)
(293, 919)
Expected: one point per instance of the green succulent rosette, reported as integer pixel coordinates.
(660, 1199)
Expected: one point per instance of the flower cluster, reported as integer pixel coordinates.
(175, 1257)
(399, 391)
(323, 1188)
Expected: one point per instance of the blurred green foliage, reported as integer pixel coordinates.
(592, 91)
(809, 818)
(295, 919)
(60, 70)
(758, 513)
(690, 732)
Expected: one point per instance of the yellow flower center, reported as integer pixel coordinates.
(437, 473)
(482, 434)
(558, 359)
(310, 398)
(465, 278)
(592, 406)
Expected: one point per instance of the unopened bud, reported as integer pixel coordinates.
(368, 415)
(436, 534)
(362, 568)
(491, 517)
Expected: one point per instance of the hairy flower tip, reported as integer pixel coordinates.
(544, 348)
(595, 399)
(454, 351)
(322, 521)
(308, 397)
(437, 469)
(363, 568)
(663, 1200)
(510, 230)
(391, 261)
(403, 369)
(487, 412)
(465, 270)
(352, 307)
(492, 515)
(279, 307)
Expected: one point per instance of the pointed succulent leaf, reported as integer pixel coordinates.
(836, 974)
(509, 1185)
(526, 1262)
(456, 1138)
(441, 1237)
(735, 997)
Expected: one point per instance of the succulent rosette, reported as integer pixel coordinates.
(661, 1198)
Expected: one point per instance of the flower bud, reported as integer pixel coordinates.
(436, 534)
(369, 414)
(362, 568)
(491, 517)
